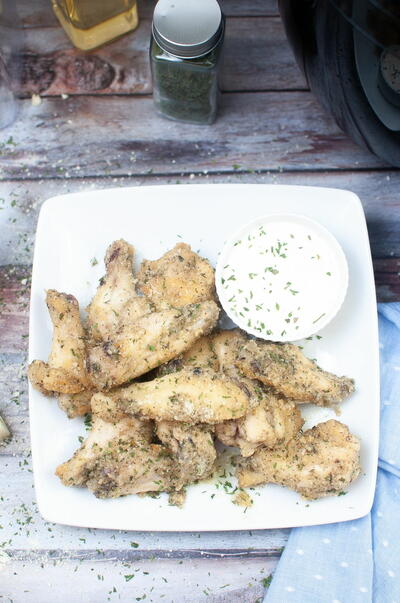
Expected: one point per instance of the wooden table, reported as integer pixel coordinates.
(106, 134)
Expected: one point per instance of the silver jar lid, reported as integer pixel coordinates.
(187, 28)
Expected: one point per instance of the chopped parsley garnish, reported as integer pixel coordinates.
(266, 581)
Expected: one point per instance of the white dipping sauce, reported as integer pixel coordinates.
(282, 277)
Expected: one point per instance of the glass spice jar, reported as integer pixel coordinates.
(185, 52)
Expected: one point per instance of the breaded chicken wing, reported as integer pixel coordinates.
(215, 352)
(225, 345)
(128, 469)
(270, 420)
(150, 341)
(273, 422)
(284, 367)
(189, 396)
(118, 458)
(178, 278)
(75, 405)
(65, 370)
(200, 355)
(116, 299)
(103, 437)
(192, 447)
(321, 462)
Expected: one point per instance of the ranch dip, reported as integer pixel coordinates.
(282, 277)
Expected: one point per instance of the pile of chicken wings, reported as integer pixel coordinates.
(163, 384)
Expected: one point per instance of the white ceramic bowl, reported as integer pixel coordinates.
(282, 277)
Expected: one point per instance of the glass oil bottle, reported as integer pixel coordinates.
(91, 23)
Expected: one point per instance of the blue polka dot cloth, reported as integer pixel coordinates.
(356, 561)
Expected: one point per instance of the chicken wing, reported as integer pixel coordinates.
(215, 352)
(193, 449)
(118, 458)
(116, 298)
(150, 341)
(284, 367)
(189, 396)
(200, 355)
(128, 469)
(272, 423)
(75, 405)
(65, 371)
(225, 345)
(270, 420)
(178, 278)
(102, 439)
(321, 462)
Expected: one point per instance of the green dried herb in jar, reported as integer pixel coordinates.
(185, 54)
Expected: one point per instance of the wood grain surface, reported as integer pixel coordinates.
(123, 136)
(51, 67)
(104, 134)
(39, 13)
(118, 578)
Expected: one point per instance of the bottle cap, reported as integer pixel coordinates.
(187, 28)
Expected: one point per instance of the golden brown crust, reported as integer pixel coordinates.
(65, 372)
(284, 367)
(103, 438)
(274, 422)
(152, 340)
(116, 301)
(178, 278)
(321, 462)
(193, 449)
(75, 405)
(49, 380)
(189, 396)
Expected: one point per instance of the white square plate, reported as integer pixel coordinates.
(75, 228)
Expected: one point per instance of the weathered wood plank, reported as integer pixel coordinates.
(257, 57)
(14, 308)
(109, 136)
(186, 581)
(250, 7)
(40, 14)
(387, 278)
(14, 405)
(129, 555)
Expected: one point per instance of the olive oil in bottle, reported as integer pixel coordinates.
(91, 23)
